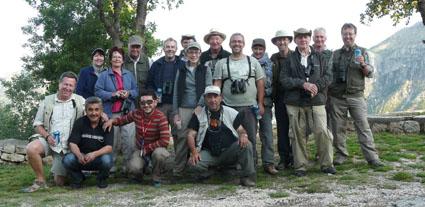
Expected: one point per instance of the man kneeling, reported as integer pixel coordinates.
(220, 138)
(152, 137)
(90, 146)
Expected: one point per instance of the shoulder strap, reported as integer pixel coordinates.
(249, 65)
(228, 69)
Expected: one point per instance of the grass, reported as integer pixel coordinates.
(394, 150)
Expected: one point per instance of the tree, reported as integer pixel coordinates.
(62, 37)
(17, 116)
(396, 9)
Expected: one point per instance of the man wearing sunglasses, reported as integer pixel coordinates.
(152, 137)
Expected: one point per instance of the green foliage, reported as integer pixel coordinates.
(17, 116)
(397, 10)
(403, 176)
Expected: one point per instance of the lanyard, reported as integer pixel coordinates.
(145, 127)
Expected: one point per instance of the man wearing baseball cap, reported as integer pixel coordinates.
(136, 61)
(282, 39)
(185, 41)
(88, 75)
(216, 52)
(305, 81)
(221, 141)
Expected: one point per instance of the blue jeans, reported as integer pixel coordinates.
(266, 137)
(102, 164)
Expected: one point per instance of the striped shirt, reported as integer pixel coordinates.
(151, 130)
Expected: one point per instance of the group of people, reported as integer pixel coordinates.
(211, 103)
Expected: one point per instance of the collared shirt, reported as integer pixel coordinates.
(304, 57)
(61, 120)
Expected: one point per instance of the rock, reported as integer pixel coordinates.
(396, 127)
(376, 127)
(411, 127)
(13, 157)
(48, 160)
(20, 149)
(9, 148)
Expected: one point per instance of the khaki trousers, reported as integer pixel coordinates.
(158, 158)
(316, 115)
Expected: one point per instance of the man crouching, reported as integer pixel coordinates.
(220, 138)
(90, 146)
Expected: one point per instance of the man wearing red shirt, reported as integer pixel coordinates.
(152, 137)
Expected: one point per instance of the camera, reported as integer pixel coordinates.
(238, 86)
(126, 105)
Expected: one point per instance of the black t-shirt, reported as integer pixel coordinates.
(216, 130)
(90, 139)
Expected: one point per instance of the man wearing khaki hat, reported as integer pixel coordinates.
(216, 52)
(305, 82)
(136, 61)
(282, 39)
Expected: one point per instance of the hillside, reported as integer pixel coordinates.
(399, 83)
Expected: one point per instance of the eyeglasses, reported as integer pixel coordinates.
(148, 102)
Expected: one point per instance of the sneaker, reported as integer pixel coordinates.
(270, 169)
(376, 163)
(37, 185)
(300, 173)
(339, 160)
(329, 170)
(156, 183)
(102, 183)
(246, 181)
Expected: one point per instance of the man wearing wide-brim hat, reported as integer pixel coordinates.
(216, 52)
(305, 81)
(282, 39)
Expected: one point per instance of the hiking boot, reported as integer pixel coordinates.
(376, 163)
(102, 183)
(75, 185)
(37, 185)
(300, 173)
(329, 170)
(246, 181)
(270, 169)
(339, 160)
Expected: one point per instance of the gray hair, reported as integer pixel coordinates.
(319, 29)
(237, 34)
(93, 100)
(68, 74)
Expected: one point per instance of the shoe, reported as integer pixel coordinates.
(37, 185)
(75, 185)
(284, 165)
(329, 170)
(376, 163)
(156, 183)
(102, 183)
(246, 181)
(270, 169)
(300, 173)
(339, 160)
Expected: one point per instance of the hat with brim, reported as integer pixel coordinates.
(193, 45)
(302, 31)
(281, 33)
(213, 90)
(213, 32)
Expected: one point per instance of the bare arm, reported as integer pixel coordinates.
(194, 155)
(42, 131)
(260, 94)
(243, 137)
(76, 151)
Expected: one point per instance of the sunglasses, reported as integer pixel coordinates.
(148, 102)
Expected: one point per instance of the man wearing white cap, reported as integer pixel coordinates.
(282, 39)
(216, 52)
(217, 138)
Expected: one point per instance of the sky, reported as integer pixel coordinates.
(254, 19)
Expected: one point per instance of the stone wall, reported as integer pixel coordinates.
(13, 151)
